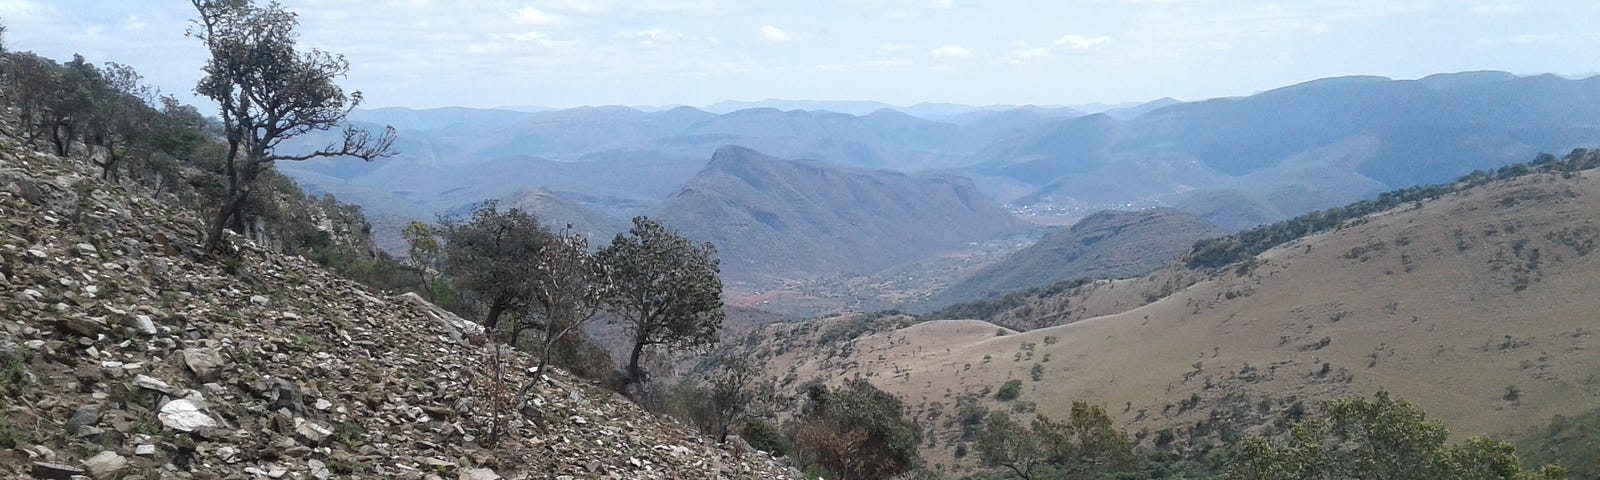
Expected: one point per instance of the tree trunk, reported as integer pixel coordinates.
(635, 374)
(229, 210)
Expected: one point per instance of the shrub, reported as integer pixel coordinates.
(1009, 391)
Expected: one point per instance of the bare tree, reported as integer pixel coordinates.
(269, 92)
(568, 288)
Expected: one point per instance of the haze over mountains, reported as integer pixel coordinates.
(1109, 244)
(775, 219)
(1235, 162)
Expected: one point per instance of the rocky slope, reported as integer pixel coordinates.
(126, 352)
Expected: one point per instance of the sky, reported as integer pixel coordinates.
(564, 53)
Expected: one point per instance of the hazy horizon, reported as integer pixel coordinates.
(567, 53)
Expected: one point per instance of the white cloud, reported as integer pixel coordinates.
(1081, 43)
(578, 7)
(941, 4)
(1530, 39)
(1027, 55)
(775, 34)
(539, 39)
(657, 36)
(135, 24)
(530, 16)
(884, 64)
(13, 8)
(1497, 9)
(951, 51)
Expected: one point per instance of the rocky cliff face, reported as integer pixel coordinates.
(128, 352)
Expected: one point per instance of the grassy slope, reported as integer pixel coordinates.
(1448, 306)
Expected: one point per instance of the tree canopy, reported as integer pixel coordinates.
(271, 91)
(1380, 438)
(666, 288)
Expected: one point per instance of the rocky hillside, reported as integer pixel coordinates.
(776, 218)
(1109, 244)
(127, 352)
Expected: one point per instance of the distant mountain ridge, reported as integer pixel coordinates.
(1249, 160)
(776, 218)
(1109, 244)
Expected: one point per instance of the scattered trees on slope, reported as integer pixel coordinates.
(1380, 438)
(105, 116)
(270, 91)
(1220, 252)
(1087, 445)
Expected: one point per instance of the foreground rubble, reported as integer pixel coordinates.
(127, 352)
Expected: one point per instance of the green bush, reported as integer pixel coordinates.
(1009, 391)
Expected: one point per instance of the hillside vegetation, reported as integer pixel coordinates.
(1109, 244)
(1470, 303)
(132, 352)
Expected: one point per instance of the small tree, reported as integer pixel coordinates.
(422, 252)
(1004, 442)
(490, 256)
(857, 431)
(270, 91)
(124, 123)
(667, 289)
(1087, 444)
(568, 287)
(738, 394)
(1381, 438)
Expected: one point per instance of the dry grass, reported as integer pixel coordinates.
(1479, 307)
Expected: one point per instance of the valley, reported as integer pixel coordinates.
(1473, 305)
(1270, 274)
(595, 167)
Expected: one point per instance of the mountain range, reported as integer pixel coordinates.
(774, 219)
(1235, 162)
(1251, 160)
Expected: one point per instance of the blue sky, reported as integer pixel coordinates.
(429, 53)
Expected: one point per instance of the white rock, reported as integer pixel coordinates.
(311, 431)
(144, 325)
(151, 383)
(228, 454)
(319, 470)
(258, 300)
(184, 416)
(106, 464)
(479, 474)
(145, 450)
